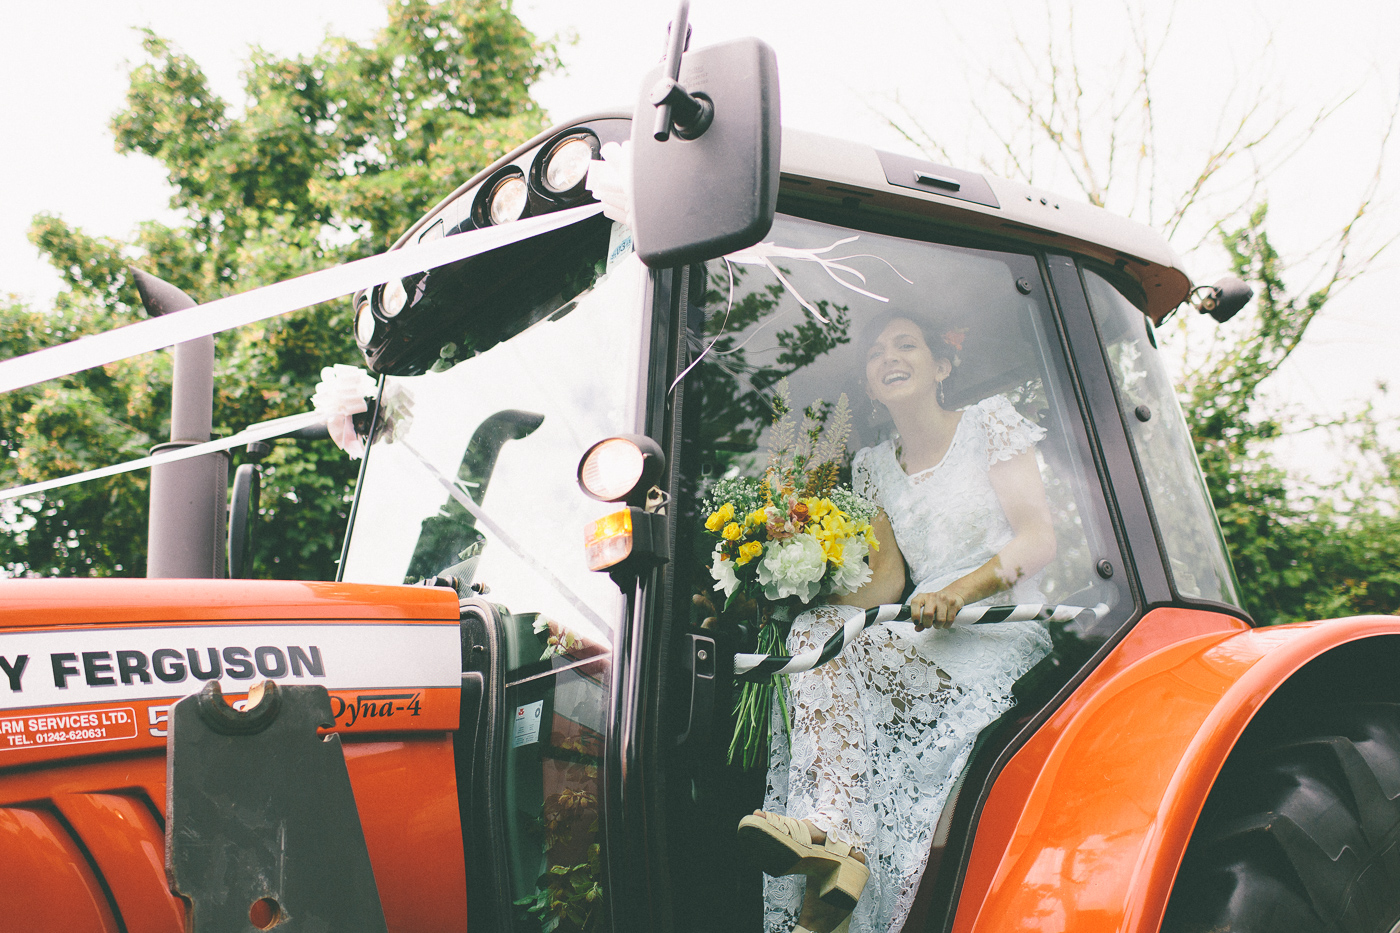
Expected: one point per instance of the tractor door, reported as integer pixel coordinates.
(742, 328)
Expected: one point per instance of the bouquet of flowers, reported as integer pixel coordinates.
(786, 539)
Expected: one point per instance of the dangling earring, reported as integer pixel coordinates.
(874, 411)
(939, 395)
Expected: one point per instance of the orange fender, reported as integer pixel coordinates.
(1086, 826)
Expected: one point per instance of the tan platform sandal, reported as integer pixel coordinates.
(824, 919)
(781, 845)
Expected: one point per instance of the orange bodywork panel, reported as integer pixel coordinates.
(1086, 826)
(82, 781)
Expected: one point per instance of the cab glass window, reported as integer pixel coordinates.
(1186, 522)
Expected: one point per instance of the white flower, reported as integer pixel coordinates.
(723, 572)
(854, 571)
(793, 567)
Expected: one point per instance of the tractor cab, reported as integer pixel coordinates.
(595, 766)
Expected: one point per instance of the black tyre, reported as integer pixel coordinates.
(1301, 832)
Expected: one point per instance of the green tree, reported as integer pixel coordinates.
(1303, 550)
(332, 156)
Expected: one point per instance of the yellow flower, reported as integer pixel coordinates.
(748, 552)
(716, 521)
(732, 531)
(832, 551)
(819, 508)
(870, 538)
(838, 525)
(757, 517)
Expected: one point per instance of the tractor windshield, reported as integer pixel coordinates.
(826, 328)
(470, 473)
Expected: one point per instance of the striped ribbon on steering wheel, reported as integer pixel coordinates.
(759, 666)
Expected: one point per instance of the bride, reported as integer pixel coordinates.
(881, 732)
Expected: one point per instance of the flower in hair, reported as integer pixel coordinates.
(954, 338)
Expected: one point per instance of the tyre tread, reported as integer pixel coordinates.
(1301, 831)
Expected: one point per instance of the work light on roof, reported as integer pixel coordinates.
(508, 199)
(365, 324)
(392, 298)
(566, 165)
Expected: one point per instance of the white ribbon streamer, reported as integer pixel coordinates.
(259, 432)
(271, 300)
(341, 394)
(610, 181)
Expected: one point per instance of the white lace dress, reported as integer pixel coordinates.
(881, 732)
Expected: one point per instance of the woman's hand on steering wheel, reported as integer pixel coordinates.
(934, 610)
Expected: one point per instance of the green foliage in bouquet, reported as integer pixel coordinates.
(784, 541)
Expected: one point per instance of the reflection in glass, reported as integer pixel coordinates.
(1181, 507)
(556, 698)
(498, 437)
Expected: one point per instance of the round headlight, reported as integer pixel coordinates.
(621, 468)
(508, 200)
(364, 324)
(392, 299)
(611, 469)
(567, 165)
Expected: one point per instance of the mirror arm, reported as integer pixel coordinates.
(676, 108)
(693, 113)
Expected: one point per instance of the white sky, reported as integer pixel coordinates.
(63, 76)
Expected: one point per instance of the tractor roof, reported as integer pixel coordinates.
(847, 173)
(841, 170)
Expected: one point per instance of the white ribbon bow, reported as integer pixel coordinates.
(342, 393)
(610, 181)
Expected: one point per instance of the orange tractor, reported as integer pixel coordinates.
(474, 727)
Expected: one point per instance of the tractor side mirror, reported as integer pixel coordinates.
(706, 147)
(242, 510)
(1224, 299)
(246, 496)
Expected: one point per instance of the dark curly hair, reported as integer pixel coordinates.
(936, 332)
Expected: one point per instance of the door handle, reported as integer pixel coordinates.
(699, 663)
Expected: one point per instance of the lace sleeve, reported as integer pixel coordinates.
(1008, 432)
(863, 476)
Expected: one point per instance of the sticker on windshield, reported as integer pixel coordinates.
(527, 724)
(619, 243)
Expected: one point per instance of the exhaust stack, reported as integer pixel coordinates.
(189, 498)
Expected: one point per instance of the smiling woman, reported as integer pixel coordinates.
(991, 498)
(963, 512)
